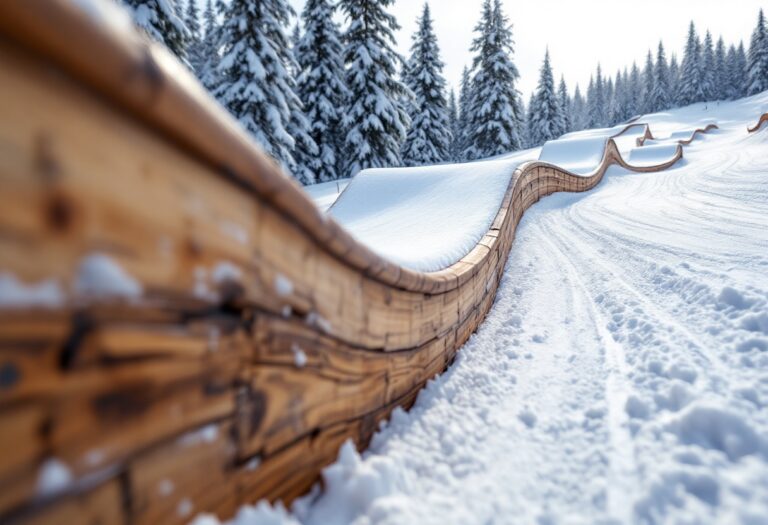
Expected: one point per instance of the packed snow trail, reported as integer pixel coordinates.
(621, 376)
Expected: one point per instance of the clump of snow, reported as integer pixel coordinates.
(184, 508)
(283, 285)
(206, 434)
(53, 477)
(234, 231)
(17, 294)
(299, 357)
(226, 271)
(101, 277)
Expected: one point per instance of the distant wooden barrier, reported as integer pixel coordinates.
(190, 333)
(763, 119)
(683, 142)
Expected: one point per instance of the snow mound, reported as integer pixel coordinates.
(425, 218)
(580, 155)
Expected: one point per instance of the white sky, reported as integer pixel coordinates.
(579, 33)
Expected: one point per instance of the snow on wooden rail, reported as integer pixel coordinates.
(181, 330)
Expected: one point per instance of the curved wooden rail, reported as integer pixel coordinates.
(189, 333)
(763, 119)
(684, 142)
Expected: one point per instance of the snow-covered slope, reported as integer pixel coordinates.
(326, 193)
(622, 375)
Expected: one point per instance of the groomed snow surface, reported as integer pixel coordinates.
(621, 376)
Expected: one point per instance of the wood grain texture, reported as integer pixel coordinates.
(263, 335)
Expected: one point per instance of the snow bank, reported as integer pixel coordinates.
(425, 218)
(580, 155)
(326, 193)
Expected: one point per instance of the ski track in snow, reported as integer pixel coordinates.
(621, 376)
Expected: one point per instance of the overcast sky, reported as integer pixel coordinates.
(579, 33)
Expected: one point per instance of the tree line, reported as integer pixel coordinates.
(326, 101)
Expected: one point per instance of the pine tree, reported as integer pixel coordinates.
(454, 124)
(565, 105)
(375, 120)
(634, 92)
(757, 63)
(659, 99)
(320, 85)
(608, 101)
(465, 111)
(195, 46)
(208, 72)
(649, 80)
(618, 101)
(429, 137)
(496, 115)
(529, 140)
(596, 109)
(674, 80)
(255, 84)
(690, 74)
(721, 70)
(578, 110)
(708, 83)
(737, 72)
(545, 115)
(160, 20)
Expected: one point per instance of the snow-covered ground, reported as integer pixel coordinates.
(326, 193)
(621, 376)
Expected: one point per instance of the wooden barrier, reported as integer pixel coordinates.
(196, 334)
(683, 142)
(763, 119)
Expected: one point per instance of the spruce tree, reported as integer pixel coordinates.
(545, 115)
(375, 120)
(737, 72)
(321, 86)
(689, 90)
(160, 20)
(454, 124)
(721, 70)
(618, 101)
(635, 92)
(529, 141)
(496, 112)
(674, 80)
(578, 110)
(742, 65)
(465, 111)
(255, 84)
(565, 105)
(757, 62)
(596, 110)
(195, 45)
(429, 137)
(208, 73)
(660, 95)
(649, 81)
(708, 82)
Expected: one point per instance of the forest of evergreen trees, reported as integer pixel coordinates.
(326, 101)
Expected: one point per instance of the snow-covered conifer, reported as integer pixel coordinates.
(375, 120)
(757, 62)
(208, 72)
(634, 92)
(659, 99)
(454, 124)
(596, 110)
(721, 70)
(545, 119)
(255, 84)
(649, 81)
(496, 111)
(618, 101)
(429, 137)
(195, 45)
(674, 80)
(565, 104)
(578, 110)
(465, 102)
(708, 82)
(689, 89)
(161, 21)
(321, 86)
